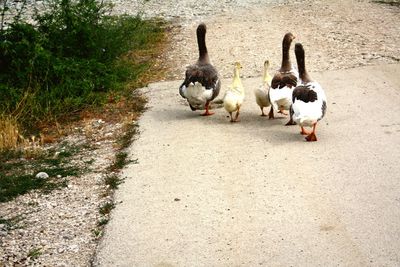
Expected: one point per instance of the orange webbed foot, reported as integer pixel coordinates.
(207, 113)
(311, 137)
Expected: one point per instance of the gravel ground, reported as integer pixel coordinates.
(61, 226)
(336, 35)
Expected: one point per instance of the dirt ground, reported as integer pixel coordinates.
(336, 34)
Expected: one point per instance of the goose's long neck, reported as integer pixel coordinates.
(237, 82)
(266, 76)
(286, 64)
(201, 42)
(300, 58)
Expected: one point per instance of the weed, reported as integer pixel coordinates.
(112, 181)
(121, 159)
(106, 208)
(130, 130)
(389, 2)
(102, 222)
(97, 233)
(11, 223)
(35, 253)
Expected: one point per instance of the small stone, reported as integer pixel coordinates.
(73, 248)
(177, 199)
(42, 175)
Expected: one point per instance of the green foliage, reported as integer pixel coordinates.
(69, 59)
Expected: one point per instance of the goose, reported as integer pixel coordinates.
(309, 99)
(283, 82)
(234, 96)
(261, 93)
(202, 83)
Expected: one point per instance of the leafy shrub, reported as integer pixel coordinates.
(68, 59)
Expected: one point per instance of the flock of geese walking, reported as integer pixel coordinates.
(288, 90)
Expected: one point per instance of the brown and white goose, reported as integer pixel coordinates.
(309, 99)
(283, 82)
(202, 83)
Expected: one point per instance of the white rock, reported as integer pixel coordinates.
(42, 175)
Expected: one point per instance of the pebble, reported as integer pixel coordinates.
(42, 175)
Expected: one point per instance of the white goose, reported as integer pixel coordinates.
(261, 93)
(202, 83)
(234, 96)
(283, 82)
(309, 99)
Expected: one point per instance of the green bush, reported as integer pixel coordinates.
(68, 59)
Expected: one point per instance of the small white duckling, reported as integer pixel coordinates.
(261, 93)
(234, 96)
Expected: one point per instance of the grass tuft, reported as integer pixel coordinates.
(113, 181)
(130, 130)
(389, 2)
(35, 253)
(102, 222)
(106, 208)
(11, 223)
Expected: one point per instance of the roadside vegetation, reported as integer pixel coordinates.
(389, 2)
(72, 60)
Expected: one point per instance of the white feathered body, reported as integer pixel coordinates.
(281, 98)
(196, 94)
(307, 114)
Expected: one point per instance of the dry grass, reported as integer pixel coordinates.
(10, 137)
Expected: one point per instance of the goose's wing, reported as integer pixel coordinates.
(206, 75)
(281, 80)
(309, 101)
(304, 93)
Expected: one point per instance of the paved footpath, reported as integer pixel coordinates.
(206, 192)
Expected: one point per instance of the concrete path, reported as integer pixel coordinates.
(206, 192)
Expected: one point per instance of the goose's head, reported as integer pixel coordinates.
(266, 64)
(287, 40)
(238, 66)
(289, 37)
(266, 77)
(236, 69)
